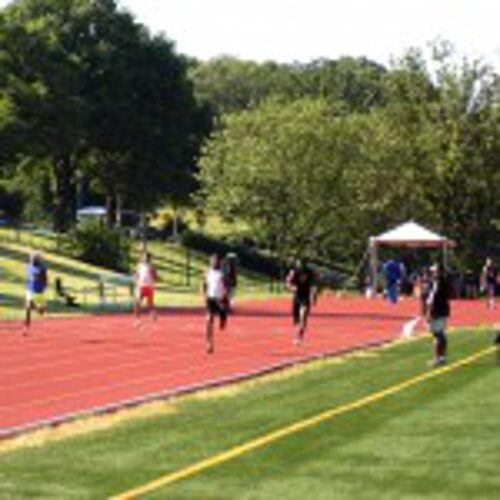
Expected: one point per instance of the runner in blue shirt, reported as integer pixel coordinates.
(36, 284)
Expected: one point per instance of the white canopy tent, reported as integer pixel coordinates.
(407, 235)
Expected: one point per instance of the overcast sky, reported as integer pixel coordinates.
(302, 30)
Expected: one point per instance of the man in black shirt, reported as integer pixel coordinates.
(438, 312)
(489, 282)
(301, 281)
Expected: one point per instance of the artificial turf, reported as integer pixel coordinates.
(437, 439)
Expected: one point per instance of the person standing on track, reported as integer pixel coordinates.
(301, 281)
(489, 282)
(215, 292)
(145, 279)
(393, 272)
(425, 287)
(438, 312)
(36, 277)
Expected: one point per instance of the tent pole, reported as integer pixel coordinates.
(373, 269)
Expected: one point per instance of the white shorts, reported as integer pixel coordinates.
(437, 325)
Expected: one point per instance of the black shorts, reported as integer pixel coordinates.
(300, 303)
(216, 308)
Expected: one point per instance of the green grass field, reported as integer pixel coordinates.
(437, 439)
(179, 270)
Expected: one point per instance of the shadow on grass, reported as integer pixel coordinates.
(54, 267)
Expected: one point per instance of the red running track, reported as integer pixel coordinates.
(71, 367)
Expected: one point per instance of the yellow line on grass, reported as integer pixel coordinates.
(269, 438)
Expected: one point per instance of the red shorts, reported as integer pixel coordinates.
(148, 293)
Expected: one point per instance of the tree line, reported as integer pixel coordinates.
(306, 158)
(355, 149)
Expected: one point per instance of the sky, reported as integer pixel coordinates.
(304, 30)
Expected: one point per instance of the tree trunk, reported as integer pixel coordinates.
(64, 194)
(119, 208)
(175, 224)
(143, 225)
(110, 210)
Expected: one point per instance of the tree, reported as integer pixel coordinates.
(279, 168)
(88, 89)
(41, 83)
(146, 124)
(230, 85)
(451, 126)
(318, 176)
(356, 83)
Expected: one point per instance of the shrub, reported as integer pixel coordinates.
(247, 257)
(96, 244)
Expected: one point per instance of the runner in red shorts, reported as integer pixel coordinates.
(145, 279)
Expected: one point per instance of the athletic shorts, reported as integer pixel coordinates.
(437, 325)
(37, 299)
(299, 303)
(215, 307)
(148, 293)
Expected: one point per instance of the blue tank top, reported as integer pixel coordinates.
(36, 278)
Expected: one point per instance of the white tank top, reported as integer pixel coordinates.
(215, 284)
(145, 275)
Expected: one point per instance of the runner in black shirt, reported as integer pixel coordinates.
(301, 281)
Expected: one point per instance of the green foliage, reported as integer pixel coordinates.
(451, 129)
(230, 85)
(247, 259)
(94, 243)
(11, 204)
(85, 88)
(320, 175)
(279, 168)
(35, 196)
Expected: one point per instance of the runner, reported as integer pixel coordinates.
(230, 270)
(36, 274)
(145, 278)
(302, 283)
(489, 279)
(438, 312)
(215, 293)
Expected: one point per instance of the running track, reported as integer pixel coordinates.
(71, 367)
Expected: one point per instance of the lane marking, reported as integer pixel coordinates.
(299, 426)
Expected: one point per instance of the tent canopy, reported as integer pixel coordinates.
(92, 212)
(407, 235)
(411, 234)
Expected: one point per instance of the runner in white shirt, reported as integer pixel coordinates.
(215, 292)
(145, 279)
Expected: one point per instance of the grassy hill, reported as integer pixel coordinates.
(179, 269)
